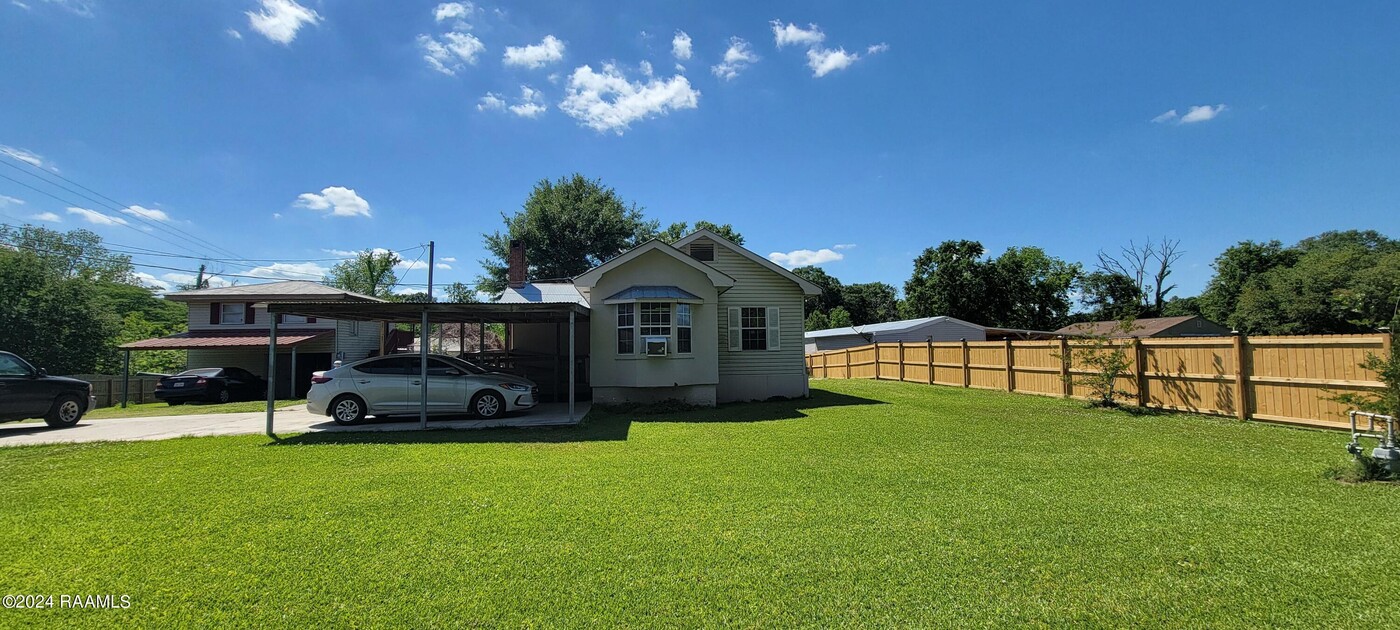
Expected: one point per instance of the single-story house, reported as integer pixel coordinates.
(941, 328)
(229, 327)
(1185, 326)
(702, 320)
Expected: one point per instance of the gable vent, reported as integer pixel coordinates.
(702, 251)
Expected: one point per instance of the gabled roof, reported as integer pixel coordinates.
(590, 277)
(286, 291)
(807, 287)
(1144, 327)
(543, 293)
(899, 326)
(224, 339)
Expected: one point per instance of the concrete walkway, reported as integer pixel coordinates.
(287, 421)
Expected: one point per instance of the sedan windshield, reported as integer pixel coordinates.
(201, 372)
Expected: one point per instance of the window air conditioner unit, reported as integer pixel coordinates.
(655, 346)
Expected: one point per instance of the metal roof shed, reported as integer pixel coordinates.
(424, 314)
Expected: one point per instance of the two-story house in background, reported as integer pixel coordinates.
(229, 327)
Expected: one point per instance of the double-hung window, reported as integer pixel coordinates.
(232, 313)
(626, 339)
(656, 319)
(683, 328)
(753, 328)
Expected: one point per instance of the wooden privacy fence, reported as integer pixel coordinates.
(1279, 379)
(107, 389)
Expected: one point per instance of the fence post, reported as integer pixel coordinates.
(1065, 379)
(967, 370)
(1010, 372)
(877, 360)
(848, 363)
(930, 360)
(1140, 365)
(826, 356)
(1241, 376)
(901, 361)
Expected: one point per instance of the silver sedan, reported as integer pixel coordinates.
(392, 385)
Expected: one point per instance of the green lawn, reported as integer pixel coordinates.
(873, 503)
(164, 409)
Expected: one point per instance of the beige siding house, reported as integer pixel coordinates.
(702, 321)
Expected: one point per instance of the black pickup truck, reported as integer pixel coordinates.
(29, 392)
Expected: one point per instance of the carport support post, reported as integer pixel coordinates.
(126, 376)
(271, 372)
(571, 365)
(423, 372)
(293, 370)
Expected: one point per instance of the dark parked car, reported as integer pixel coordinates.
(211, 385)
(29, 392)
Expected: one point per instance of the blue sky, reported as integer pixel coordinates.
(881, 128)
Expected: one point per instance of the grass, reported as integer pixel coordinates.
(164, 409)
(873, 503)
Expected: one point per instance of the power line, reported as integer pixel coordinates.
(118, 207)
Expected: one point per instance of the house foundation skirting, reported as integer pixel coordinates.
(703, 395)
(747, 387)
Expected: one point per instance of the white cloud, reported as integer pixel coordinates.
(1201, 113)
(804, 257)
(549, 50)
(81, 8)
(1194, 114)
(6, 200)
(291, 271)
(276, 215)
(146, 213)
(840, 246)
(491, 102)
(28, 157)
(20, 4)
(825, 60)
(737, 57)
(47, 216)
(443, 266)
(343, 253)
(607, 101)
(875, 49)
(792, 34)
(176, 279)
(411, 265)
(646, 68)
(449, 259)
(458, 11)
(153, 282)
(233, 32)
(279, 20)
(97, 218)
(448, 54)
(681, 47)
(531, 103)
(342, 202)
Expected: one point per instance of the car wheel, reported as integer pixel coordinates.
(223, 396)
(488, 405)
(66, 411)
(347, 410)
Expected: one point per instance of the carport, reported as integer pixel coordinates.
(425, 314)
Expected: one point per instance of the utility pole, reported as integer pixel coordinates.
(427, 333)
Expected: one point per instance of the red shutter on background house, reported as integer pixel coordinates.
(247, 312)
(214, 313)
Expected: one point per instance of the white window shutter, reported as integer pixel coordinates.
(736, 342)
(774, 329)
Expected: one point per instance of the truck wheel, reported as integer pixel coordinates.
(66, 411)
(347, 410)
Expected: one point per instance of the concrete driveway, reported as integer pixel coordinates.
(287, 421)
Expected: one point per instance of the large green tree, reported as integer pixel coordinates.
(677, 231)
(1233, 270)
(52, 313)
(830, 296)
(951, 279)
(370, 272)
(1032, 289)
(870, 303)
(1110, 296)
(567, 227)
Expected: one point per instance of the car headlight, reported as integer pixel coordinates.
(515, 387)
